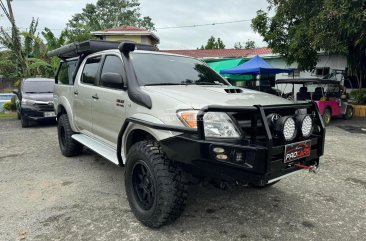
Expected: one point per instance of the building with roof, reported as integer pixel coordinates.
(226, 58)
(128, 33)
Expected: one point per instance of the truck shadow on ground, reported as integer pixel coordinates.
(243, 205)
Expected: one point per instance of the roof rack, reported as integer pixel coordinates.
(92, 46)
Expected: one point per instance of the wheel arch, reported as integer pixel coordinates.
(64, 107)
(137, 135)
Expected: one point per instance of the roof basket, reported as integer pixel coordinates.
(91, 46)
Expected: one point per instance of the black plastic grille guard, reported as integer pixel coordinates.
(215, 108)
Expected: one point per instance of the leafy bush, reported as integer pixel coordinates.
(359, 96)
(17, 83)
(9, 106)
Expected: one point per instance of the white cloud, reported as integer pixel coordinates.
(54, 14)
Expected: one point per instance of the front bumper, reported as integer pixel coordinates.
(36, 113)
(258, 165)
(262, 155)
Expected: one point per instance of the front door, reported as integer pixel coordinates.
(108, 109)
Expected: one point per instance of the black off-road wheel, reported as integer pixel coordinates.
(69, 147)
(327, 116)
(156, 188)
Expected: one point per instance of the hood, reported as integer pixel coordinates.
(47, 97)
(198, 96)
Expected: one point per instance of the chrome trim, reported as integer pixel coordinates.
(281, 177)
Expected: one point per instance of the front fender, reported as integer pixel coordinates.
(157, 134)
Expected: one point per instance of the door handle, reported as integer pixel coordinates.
(76, 92)
(95, 97)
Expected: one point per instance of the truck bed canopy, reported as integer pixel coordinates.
(90, 46)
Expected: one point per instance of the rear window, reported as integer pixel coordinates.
(38, 86)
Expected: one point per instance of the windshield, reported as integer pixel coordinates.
(38, 86)
(155, 69)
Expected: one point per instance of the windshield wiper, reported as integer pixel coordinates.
(155, 84)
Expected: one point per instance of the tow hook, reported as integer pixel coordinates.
(313, 169)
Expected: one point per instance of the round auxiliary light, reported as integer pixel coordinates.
(306, 126)
(286, 127)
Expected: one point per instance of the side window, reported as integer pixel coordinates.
(66, 72)
(90, 71)
(112, 64)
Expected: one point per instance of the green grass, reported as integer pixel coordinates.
(8, 116)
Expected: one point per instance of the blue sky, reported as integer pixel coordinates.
(54, 14)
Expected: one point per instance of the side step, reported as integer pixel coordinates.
(97, 146)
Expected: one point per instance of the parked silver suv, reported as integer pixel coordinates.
(172, 121)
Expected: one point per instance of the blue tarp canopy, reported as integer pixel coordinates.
(255, 66)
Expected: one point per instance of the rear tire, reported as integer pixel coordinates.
(327, 116)
(156, 188)
(349, 113)
(24, 122)
(68, 146)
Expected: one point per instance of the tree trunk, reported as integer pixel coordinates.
(16, 40)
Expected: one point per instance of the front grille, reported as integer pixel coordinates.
(44, 107)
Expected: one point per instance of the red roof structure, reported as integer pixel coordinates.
(221, 53)
(124, 29)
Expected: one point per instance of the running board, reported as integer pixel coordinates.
(97, 146)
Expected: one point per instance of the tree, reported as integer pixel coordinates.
(247, 45)
(238, 45)
(106, 14)
(250, 44)
(300, 29)
(12, 41)
(212, 43)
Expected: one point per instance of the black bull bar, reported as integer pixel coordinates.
(254, 111)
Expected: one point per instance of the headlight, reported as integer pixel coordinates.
(27, 102)
(306, 124)
(216, 124)
(286, 128)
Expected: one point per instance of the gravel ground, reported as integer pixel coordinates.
(45, 196)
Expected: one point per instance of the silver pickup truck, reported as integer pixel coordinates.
(171, 121)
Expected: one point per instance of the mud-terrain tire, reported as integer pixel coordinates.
(327, 116)
(156, 187)
(68, 146)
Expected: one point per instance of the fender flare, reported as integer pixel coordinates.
(128, 127)
(63, 101)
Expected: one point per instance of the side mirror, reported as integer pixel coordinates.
(16, 92)
(112, 80)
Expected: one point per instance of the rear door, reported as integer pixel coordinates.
(108, 110)
(84, 91)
